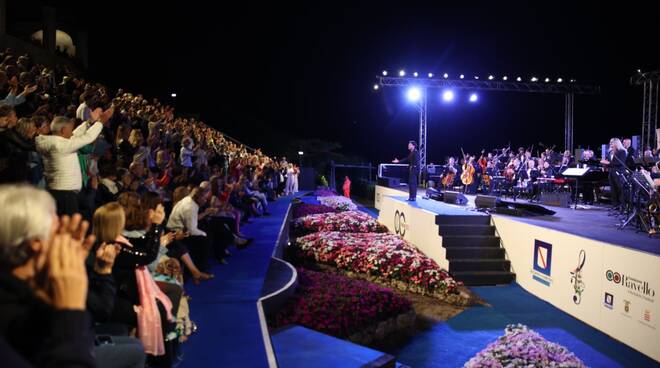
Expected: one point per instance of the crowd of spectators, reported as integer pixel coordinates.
(110, 204)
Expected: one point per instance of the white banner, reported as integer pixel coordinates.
(413, 224)
(606, 286)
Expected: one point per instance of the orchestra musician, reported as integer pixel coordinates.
(450, 174)
(630, 153)
(617, 165)
(529, 177)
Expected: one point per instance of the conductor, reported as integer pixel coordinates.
(413, 169)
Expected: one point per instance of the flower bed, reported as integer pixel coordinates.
(384, 258)
(306, 209)
(324, 192)
(338, 203)
(348, 221)
(522, 347)
(342, 307)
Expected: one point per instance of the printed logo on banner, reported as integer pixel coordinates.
(400, 225)
(609, 301)
(626, 306)
(639, 288)
(576, 278)
(542, 267)
(647, 315)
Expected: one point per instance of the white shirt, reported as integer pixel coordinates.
(83, 112)
(184, 217)
(61, 165)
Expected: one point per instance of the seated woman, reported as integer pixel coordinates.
(139, 302)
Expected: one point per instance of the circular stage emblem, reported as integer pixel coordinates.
(609, 275)
(616, 278)
(399, 223)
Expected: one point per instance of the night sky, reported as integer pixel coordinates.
(267, 73)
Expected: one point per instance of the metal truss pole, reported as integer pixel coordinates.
(645, 126)
(422, 130)
(568, 122)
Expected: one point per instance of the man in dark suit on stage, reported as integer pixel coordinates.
(413, 169)
(630, 151)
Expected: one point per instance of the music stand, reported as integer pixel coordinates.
(577, 173)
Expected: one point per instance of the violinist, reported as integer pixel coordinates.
(487, 178)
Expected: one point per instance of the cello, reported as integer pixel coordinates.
(448, 179)
(467, 176)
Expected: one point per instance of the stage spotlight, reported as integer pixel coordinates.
(430, 75)
(376, 87)
(461, 76)
(490, 77)
(572, 80)
(414, 94)
(402, 73)
(446, 75)
(505, 78)
(173, 95)
(547, 80)
(473, 97)
(639, 71)
(448, 96)
(300, 153)
(519, 79)
(415, 74)
(534, 79)
(476, 77)
(384, 73)
(559, 80)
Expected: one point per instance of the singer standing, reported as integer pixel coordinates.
(413, 169)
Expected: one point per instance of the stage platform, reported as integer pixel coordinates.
(576, 259)
(590, 222)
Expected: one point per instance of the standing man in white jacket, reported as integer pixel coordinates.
(59, 151)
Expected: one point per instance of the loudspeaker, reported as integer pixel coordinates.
(484, 201)
(389, 182)
(522, 209)
(560, 199)
(455, 198)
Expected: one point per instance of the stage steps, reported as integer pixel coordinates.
(473, 250)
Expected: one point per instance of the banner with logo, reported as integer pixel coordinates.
(606, 286)
(413, 224)
(382, 192)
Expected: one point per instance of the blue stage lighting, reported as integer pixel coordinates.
(473, 97)
(448, 95)
(414, 94)
(402, 73)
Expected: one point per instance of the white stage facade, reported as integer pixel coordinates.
(606, 285)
